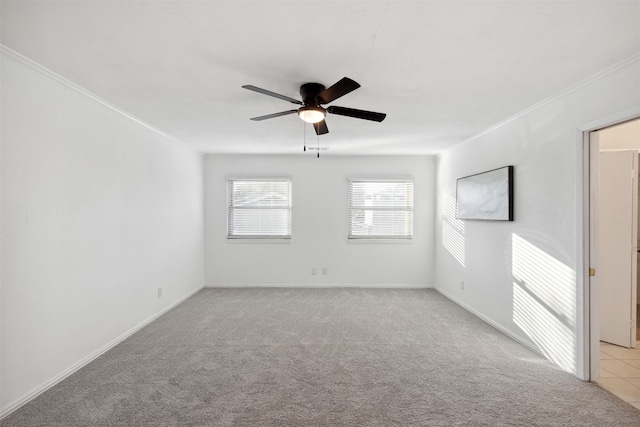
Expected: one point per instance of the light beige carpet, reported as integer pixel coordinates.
(322, 357)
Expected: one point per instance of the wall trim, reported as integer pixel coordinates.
(86, 360)
(23, 60)
(589, 80)
(316, 285)
(491, 322)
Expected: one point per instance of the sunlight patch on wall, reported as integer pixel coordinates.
(452, 229)
(544, 302)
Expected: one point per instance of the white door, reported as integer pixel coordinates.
(617, 246)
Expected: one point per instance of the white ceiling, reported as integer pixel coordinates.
(442, 71)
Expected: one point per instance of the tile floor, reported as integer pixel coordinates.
(620, 368)
(620, 371)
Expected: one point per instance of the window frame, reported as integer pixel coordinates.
(258, 238)
(380, 238)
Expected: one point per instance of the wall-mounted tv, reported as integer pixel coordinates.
(486, 196)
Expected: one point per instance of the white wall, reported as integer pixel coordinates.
(98, 212)
(319, 225)
(620, 137)
(523, 276)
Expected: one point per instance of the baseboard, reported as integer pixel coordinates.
(316, 285)
(78, 365)
(490, 322)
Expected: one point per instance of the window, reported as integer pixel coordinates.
(259, 208)
(380, 209)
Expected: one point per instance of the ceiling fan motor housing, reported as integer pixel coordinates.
(309, 92)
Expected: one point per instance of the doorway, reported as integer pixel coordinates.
(621, 142)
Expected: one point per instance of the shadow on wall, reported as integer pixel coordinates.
(544, 289)
(544, 301)
(452, 229)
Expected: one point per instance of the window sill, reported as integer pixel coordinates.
(260, 241)
(380, 241)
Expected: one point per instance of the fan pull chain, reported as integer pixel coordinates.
(304, 130)
(318, 134)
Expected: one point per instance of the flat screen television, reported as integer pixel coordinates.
(486, 196)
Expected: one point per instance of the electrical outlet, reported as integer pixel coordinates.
(325, 271)
(462, 285)
(314, 271)
(159, 292)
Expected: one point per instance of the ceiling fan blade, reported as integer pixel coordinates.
(321, 128)
(358, 114)
(343, 87)
(275, 95)
(271, 116)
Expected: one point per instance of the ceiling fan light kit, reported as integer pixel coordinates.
(313, 96)
(311, 114)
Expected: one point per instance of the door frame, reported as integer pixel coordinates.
(588, 316)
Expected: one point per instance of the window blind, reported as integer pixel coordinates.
(259, 208)
(380, 209)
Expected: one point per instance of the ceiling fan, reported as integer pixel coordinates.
(314, 95)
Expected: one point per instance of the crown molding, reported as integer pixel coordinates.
(23, 60)
(589, 80)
